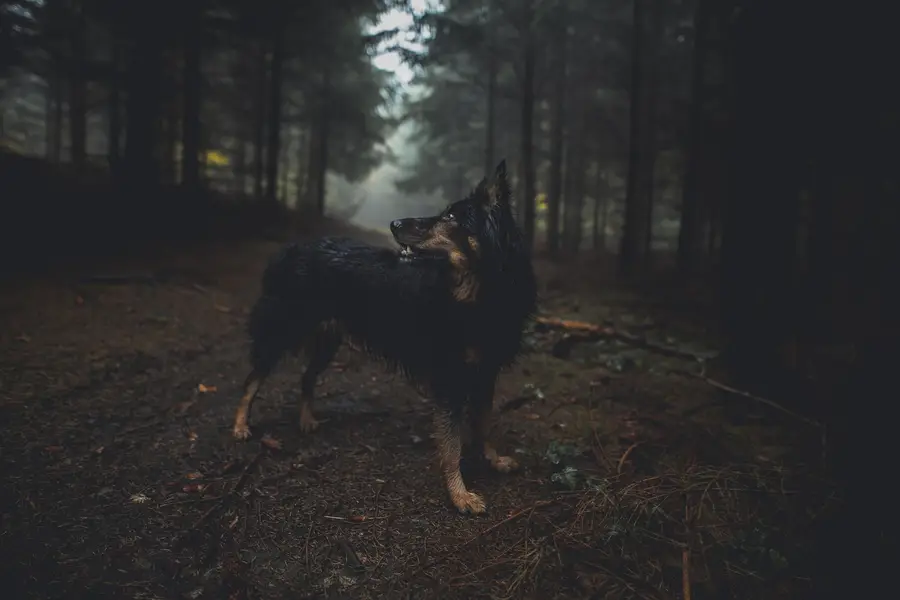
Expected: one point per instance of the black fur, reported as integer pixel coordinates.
(449, 314)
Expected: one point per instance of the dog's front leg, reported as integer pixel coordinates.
(447, 432)
(481, 406)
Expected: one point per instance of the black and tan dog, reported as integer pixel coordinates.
(447, 311)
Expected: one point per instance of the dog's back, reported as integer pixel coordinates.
(402, 313)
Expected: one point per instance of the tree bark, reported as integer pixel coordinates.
(260, 124)
(528, 131)
(303, 152)
(489, 125)
(637, 232)
(190, 143)
(322, 149)
(78, 87)
(690, 233)
(601, 199)
(576, 165)
(760, 220)
(277, 81)
(284, 168)
(240, 167)
(557, 125)
(114, 150)
(143, 108)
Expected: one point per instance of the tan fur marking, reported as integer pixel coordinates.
(241, 429)
(474, 245)
(449, 453)
(466, 289)
(481, 425)
(308, 422)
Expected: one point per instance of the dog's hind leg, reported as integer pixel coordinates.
(481, 405)
(322, 347)
(447, 432)
(273, 334)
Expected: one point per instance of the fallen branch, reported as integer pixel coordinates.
(737, 392)
(582, 332)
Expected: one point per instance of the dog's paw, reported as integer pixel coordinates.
(241, 431)
(469, 503)
(308, 424)
(504, 464)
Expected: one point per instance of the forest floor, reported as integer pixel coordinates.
(642, 477)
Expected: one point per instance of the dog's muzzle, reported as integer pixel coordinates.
(408, 233)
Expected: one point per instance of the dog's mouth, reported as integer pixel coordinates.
(408, 253)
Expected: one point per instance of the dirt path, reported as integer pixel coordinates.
(121, 480)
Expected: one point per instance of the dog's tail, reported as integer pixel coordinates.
(276, 320)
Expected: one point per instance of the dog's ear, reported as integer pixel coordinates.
(497, 187)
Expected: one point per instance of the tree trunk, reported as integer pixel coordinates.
(54, 112)
(491, 114)
(554, 199)
(190, 129)
(284, 168)
(143, 108)
(322, 150)
(760, 221)
(527, 133)
(114, 148)
(240, 167)
(303, 153)
(277, 80)
(601, 199)
(576, 166)
(260, 125)
(310, 198)
(636, 234)
(78, 88)
(690, 233)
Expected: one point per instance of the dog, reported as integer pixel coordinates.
(447, 309)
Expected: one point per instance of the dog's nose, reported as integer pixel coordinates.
(395, 225)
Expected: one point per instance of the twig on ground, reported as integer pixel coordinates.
(738, 392)
(624, 456)
(589, 332)
(136, 428)
(686, 556)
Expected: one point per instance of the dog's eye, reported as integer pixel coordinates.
(449, 217)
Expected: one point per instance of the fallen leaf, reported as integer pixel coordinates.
(271, 443)
(139, 498)
(23, 338)
(53, 449)
(532, 416)
(184, 406)
(222, 309)
(206, 389)
(194, 475)
(233, 522)
(99, 450)
(192, 436)
(194, 488)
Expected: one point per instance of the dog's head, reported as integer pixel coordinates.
(464, 233)
(458, 232)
